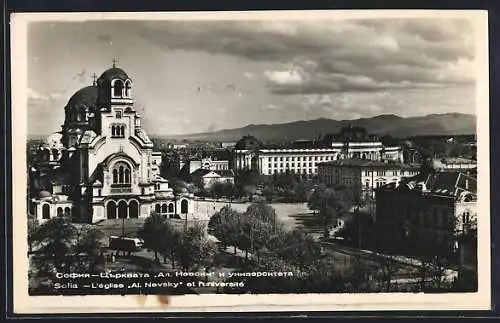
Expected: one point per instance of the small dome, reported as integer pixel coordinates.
(248, 142)
(54, 141)
(86, 96)
(44, 194)
(112, 74)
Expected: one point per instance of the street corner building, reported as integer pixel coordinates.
(101, 165)
(438, 207)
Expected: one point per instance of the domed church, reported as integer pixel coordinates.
(101, 165)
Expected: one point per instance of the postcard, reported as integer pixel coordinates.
(250, 161)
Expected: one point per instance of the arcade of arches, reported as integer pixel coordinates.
(60, 211)
(130, 209)
(122, 210)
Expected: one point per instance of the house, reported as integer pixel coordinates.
(209, 177)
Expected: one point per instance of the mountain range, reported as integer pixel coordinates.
(386, 124)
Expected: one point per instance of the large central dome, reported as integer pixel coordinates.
(112, 74)
(85, 97)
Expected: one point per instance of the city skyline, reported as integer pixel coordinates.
(199, 76)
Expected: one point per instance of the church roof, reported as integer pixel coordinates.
(85, 96)
(248, 142)
(113, 73)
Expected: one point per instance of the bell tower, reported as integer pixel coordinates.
(116, 104)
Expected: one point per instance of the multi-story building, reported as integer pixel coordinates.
(432, 209)
(209, 171)
(209, 177)
(101, 165)
(459, 164)
(208, 164)
(363, 176)
(351, 142)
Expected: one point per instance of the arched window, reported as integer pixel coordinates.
(184, 206)
(121, 173)
(164, 208)
(128, 89)
(115, 176)
(111, 210)
(118, 89)
(118, 131)
(127, 176)
(171, 208)
(99, 192)
(46, 211)
(133, 209)
(55, 154)
(122, 210)
(59, 211)
(67, 212)
(157, 208)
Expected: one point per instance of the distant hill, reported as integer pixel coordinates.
(387, 124)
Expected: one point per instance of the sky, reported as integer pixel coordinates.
(197, 76)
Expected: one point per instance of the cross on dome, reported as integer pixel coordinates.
(114, 62)
(94, 77)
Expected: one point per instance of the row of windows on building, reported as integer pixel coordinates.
(287, 165)
(121, 174)
(118, 131)
(170, 208)
(394, 172)
(122, 90)
(296, 171)
(303, 158)
(66, 212)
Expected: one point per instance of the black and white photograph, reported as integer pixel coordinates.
(251, 155)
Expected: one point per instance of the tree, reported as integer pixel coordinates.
(60, 246)
(217, 190)
(89, 243)
(170, 242)
(224, 226)
(54, 240)
(299, 247)
(228, 190)
(32, 227)
(300, 192)
(330, 205)
(195, 250)
(153, 232)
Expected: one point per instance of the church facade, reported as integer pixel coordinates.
(101, 165)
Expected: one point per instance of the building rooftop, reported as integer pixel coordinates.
(456, 184)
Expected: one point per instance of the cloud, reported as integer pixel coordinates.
(356, 55)
(271, 107)
(249, 75)
(290, 77)
(43, 97)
